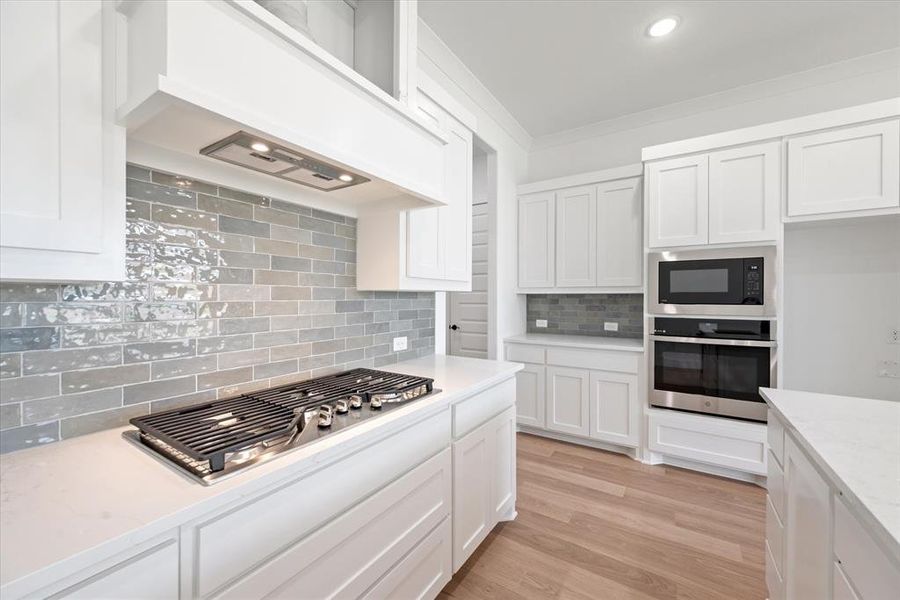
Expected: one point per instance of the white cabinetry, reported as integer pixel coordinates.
(850, 169)
(537, 240)
(576, 237)
(575, 391)
(677, 198)
(745, 193)
(724, 197)
(428, 248)
(62, 157)
(807, 556)
(483, 482)
(581, 238)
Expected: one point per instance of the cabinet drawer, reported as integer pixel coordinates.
(774, 581)
(472, 412)
(775, 437)
(775, 485)
(351, 552)
(526, 354)
(423, 573)
(734, 445)
(600, 360)
(775, 536)
(866, 565)
(266, 525)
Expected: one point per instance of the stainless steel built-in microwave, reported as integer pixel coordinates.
(729, 282)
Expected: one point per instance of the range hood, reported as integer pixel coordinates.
(252, 152)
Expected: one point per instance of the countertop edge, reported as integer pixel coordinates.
(638, 346)
(302, 464)
(875, 526)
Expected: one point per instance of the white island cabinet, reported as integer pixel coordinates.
(386, 510)
(832, 524)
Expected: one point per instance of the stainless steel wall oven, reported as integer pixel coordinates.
(713, 366)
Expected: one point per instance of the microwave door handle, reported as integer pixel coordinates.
(715, 341)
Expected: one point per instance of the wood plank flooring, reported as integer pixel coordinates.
(595, 525)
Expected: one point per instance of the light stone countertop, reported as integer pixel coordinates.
(593, 342)
(856, 444)
(65, 504)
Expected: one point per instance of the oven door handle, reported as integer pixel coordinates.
(715, 341)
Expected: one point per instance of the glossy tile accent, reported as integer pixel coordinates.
(584, 314)
(226, 291)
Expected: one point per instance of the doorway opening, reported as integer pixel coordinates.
(470, 315)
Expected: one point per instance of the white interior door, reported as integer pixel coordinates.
(468, 311)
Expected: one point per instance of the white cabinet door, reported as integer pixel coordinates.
(678, 201)
(576, 237)
(424, 243)
(567, 400)
(619, 225)
(503, 492)
(62, 158)
(614, 409)
(855, 168)
(745, 193)
(530, 395)
(456, 217)
(537, 235)
(808, 556)
(472, 492)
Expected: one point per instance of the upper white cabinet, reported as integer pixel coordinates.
(62, 157)
(619, 226)
(537, 239)
(576, 237)
(427, 248)
(678, 198)
(723, 197)
(581, 238)
(745, 193)
(850, 169)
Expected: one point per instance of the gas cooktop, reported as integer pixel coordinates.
(213, 440)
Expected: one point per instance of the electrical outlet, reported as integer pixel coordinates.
(610, 326)
(894, 336)
(399, 343)
(889, 368)
(540, 323)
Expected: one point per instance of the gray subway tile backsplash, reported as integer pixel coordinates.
(227, 292)
(584, 314)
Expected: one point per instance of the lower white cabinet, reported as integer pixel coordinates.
(615, 413)
(531, 394)
(817, 548)
(483, 482)
(567, 400)
(579, 391)
(423, 573)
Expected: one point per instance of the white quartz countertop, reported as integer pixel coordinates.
(856, 443)
(68, 499)
(594, 342)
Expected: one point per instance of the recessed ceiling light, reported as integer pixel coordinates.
(345, 177)
(663, 27)
(259, 147)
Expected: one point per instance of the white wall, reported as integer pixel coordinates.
(618, 142)
(510, 142)
(841, 291)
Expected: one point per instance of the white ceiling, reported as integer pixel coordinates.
(559, 65)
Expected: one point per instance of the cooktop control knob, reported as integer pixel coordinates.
(375, 402)
(341, 407)
(356, 401)
(326, 415)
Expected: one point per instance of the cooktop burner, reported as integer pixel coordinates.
(215, 439)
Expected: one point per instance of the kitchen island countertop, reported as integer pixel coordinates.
(70, 499)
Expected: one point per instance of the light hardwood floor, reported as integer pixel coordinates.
(595, 525)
